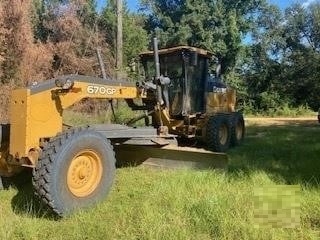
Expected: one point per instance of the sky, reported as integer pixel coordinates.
(285, 3)
(134, 4)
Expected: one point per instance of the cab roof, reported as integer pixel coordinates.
(164, 51)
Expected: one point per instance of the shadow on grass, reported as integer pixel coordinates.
(290, 153)
(25, 202)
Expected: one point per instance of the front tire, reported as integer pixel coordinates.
(76, 170)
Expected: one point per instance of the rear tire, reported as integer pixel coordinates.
(76, 170)
(218, 133)
(238, 129)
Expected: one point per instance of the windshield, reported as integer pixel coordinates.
(170, 66)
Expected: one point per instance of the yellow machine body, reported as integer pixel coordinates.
(193, 123)
(221, 102)
(37, 113)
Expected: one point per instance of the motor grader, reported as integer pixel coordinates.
(74, 167)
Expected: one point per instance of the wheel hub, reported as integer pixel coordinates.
(84, 173)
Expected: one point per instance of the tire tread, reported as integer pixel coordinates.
(42, 173)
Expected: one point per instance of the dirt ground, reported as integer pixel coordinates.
(267, 121)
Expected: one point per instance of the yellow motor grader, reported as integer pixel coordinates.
(75, 167)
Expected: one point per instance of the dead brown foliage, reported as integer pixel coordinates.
(70, 47)
(4, 101)
(75, 45)
(24, 60)
(2, 37)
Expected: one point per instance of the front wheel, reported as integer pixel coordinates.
(76, 170)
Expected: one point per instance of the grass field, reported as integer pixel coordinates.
(188, 204)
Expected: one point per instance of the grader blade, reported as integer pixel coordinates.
(171, 157)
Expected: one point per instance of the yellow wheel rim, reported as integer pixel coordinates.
(223, 134)
(84, 173)
(239, 131)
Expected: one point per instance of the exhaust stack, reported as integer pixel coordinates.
(157, 66)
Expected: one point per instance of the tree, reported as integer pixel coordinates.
(283, 67)
(214, 25)
(24, 60)
(262, 67)
(71, 27)
(303, 54)
(2, 37)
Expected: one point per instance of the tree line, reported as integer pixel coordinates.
(270, 56)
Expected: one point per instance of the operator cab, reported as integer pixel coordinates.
(187, 68)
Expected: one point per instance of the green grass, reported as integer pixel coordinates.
(186, 204)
